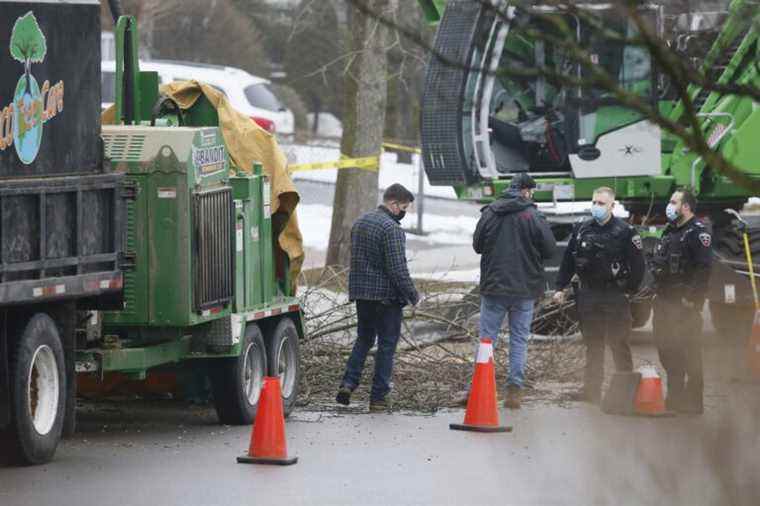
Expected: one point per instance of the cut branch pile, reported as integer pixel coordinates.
(435, 355)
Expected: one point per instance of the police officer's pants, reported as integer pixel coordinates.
(605, 318)
(678, 334)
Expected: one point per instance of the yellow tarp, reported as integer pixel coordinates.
(246, 143)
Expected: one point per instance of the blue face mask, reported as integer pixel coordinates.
(600, 213)
(671, 213)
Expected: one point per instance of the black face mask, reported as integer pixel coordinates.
(400, 215)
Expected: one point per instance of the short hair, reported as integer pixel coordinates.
(606, 189)
(398, 193)
(687, 197)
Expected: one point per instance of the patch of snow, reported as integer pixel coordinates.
(329, 125)
(442, 229)
(465, 276)
(315, 221)
(391, 171)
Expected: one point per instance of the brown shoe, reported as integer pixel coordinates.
(379, 406)
(514, 397)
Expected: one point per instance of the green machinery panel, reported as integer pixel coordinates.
(180, 232)
(568, 189)
(254, 284)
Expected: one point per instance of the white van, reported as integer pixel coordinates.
(248, 94)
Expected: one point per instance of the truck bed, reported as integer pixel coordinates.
(59, 237)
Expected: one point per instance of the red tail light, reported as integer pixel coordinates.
(266, 124)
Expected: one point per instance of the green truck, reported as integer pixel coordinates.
(148, 222)
(487, 113)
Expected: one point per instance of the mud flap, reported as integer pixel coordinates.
(68, 322)
(621, 395)
(5, 381)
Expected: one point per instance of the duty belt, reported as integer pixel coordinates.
(600, 285)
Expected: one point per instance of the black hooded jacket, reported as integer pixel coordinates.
(514, 240)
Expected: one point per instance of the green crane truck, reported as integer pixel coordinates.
(147, 221)
(485, 117)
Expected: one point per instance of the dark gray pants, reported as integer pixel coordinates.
(605, 317)
(381, 322)
(678, 335)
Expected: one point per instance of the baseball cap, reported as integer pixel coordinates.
(521, 181)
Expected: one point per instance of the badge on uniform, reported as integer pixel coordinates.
(636, 240)
(705, 239)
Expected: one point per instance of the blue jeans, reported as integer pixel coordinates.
(375, 321)
(493, 308)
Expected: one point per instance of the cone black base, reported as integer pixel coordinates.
(664, 414)
(245, 459)
(479, 428)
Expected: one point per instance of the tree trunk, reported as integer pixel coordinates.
(363, 124)
(147, 26)
(27, 74)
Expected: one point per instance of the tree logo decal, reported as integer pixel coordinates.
(21, 122)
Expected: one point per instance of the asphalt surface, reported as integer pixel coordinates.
(140, 453)
(166, 453)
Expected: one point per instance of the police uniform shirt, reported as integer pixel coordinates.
(683, 257)
(608, 256)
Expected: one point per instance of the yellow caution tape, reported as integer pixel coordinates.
(371, 163)
(399, 147)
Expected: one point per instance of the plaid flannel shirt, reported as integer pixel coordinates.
(378, 260)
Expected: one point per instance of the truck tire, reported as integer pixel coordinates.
(641, 311)
(236, 382)
(732, 321)
(38, 392)
(284, 361)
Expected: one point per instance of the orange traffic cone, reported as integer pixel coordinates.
(482, 415)
(268, 436)
(753, 348)
(649, 400)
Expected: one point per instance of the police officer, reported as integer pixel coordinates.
(606, 254)
(681, 263)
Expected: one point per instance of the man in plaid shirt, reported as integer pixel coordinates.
(380, 283)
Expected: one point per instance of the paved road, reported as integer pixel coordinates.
(566, 455)
(164, 453)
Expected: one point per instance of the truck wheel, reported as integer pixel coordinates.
(284, 361)
(640, 313)
(732, 321)
(38, 392)
(236, 382)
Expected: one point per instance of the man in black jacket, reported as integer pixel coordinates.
(380, 283)
(514, 240)
(606, 254)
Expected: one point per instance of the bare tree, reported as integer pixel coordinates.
(309, 40)
(406, 75)
(366, 91)
(204, 31)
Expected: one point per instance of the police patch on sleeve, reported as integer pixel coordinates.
(705, 239)
(636, 240)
